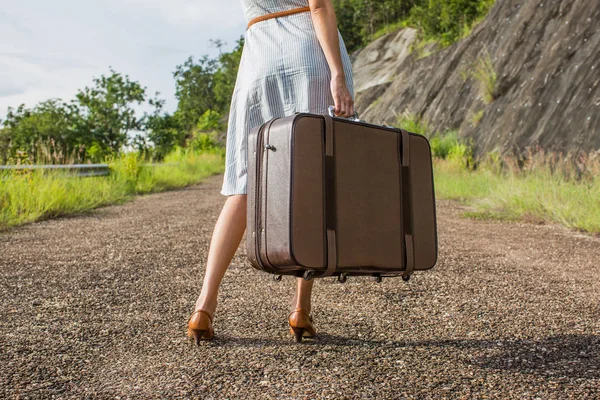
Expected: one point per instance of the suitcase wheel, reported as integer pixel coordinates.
(342, 278)
(277, 278)
(405, 278)
(308, 275)
(378, 278)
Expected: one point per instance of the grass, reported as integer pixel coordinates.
(389, 28)
(28, 196)
(413, 123)
(476, 117)
(545, 188)
(485, 74)
(455, 182)
(424, 47)
(376, 101)
(537, 187)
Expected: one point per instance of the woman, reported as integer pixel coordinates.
(292, 63)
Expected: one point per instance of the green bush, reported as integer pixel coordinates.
(204, 142)
(447, 145)
(413, 123)
(210, 121)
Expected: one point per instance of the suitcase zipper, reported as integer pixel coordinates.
(258, 191)
(258, 183)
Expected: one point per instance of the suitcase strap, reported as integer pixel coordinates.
(330, 198)
(407, 212)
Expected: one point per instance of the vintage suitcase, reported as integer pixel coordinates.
(332, 196)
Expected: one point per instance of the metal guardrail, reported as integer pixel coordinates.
(78, 169)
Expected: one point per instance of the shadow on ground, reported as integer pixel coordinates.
(576, 356)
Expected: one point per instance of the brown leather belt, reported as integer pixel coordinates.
(278, 14)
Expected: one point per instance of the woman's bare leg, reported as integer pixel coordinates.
(227, 235)
(303, 294)
(226, 238)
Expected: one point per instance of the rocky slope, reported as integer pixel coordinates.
(545, 53)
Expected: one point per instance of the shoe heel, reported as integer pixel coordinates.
(298, 333)
(196, 335)
(200, 328)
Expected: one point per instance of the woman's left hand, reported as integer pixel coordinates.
(343, 103)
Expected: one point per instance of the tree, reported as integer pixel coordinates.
(163, 130)
(107, 109)
(193, 89)
(443, 20)
(97, 123)
(48, 131)
(225, 77)
(4, 145)
(358, 20)
(206, 85)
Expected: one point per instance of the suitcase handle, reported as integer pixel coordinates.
(352, 118)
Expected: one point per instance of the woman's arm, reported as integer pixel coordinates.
(325, 23)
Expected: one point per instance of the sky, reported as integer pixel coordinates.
(49, 49)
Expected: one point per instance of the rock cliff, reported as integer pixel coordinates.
(546, 58)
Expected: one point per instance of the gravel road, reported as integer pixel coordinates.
(95, 306)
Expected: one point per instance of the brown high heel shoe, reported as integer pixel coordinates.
(200, 326)
(301, 324)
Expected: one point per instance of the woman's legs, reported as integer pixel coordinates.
(226, 238)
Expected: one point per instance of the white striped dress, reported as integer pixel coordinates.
(283, 70)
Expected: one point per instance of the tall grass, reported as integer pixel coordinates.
(539, 188)
(31, 195)
(485, 74)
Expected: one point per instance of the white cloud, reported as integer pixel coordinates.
(51, 49)
(193, 11)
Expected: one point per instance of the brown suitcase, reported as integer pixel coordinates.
(330, 196)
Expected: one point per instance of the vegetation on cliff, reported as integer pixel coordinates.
(443, 21)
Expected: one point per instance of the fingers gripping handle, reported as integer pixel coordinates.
(352, 118)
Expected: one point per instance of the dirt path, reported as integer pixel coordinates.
(95, 306)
